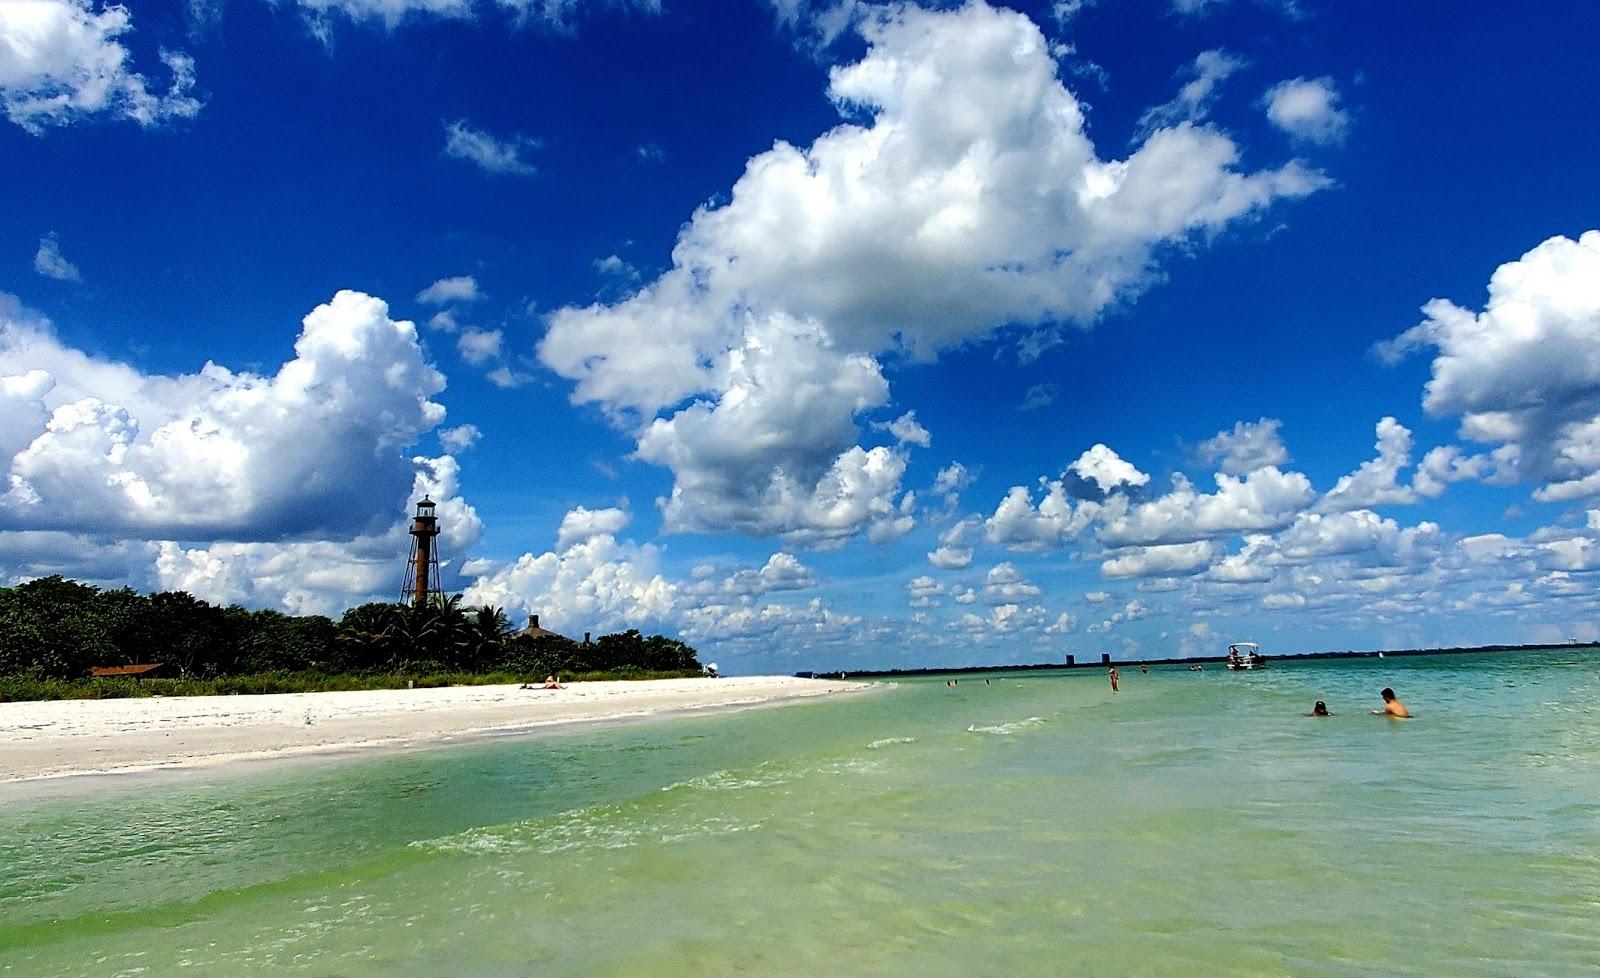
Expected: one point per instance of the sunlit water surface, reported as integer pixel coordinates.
(1195, 824)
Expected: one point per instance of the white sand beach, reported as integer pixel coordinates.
(67, 737)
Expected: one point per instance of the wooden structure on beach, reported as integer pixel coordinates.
(138, 671)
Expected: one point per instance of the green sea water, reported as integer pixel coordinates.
(1194, 824)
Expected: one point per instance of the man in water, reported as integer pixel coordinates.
(1320, 710)
(1392, 707)
(1114, 677)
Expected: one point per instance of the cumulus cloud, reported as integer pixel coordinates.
(313, 449)
(63, 61)
(1165, 560)
(950, 482)
(490, 153)
(1251, 445)
(580, 523)
(969, 199)
(1209, 70)
(946, 557)
(1264, 499)
(456, 288)
(1004, 584)
(460, 438)
(1107, 470)
(598, 584)
(325, 576)
(49, 262)
(1376, 482)
(1021, 524)
(1132, 611)
(906, 430)
(479, 346)
(774, 453)
(922, 591)
(1523, 375)
(1308, 109)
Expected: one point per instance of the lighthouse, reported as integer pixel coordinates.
(422, 569)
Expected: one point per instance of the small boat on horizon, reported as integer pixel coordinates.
(1245, 655)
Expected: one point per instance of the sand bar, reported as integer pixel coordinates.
(67, 737)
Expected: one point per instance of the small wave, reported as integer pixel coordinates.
(887, 741)
(1006, 729)
(603, 828)
(728, 781)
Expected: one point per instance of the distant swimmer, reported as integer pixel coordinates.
(1112, 674)
(1392, 707)
(1143, 670)
(1320, 710)
(1197, 668)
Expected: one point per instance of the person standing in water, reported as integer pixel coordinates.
(1392, 707)
(1112, 674)
(1319, 710)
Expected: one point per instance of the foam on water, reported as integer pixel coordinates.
(1007, 729)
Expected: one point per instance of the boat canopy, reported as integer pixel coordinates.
(1248, 648)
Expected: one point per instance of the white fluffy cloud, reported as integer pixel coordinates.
(480, 346)
(1165, 560)
(775, 452)
(906, 430)
(597, 584)
(1004, 584)
(325, 576)
(315, 449)
(460, 438)
(1020, 524)
(62, 61)
(1107, 470)
(1308, 109)
(455, 288)
(581, 523)
(490, 153)
(1265, 499)
(1523, 375)
(51, 263)
(1249, 446)
(971, 198)
(1376, 482)
(951, 482)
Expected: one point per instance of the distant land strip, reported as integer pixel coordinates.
(1190, 660)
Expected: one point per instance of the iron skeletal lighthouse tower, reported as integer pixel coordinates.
(422, 570)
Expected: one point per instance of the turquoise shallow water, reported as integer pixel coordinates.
(1195, 824)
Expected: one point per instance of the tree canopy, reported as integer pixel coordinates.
(54, 628)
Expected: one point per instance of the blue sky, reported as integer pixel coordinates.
(824, 336)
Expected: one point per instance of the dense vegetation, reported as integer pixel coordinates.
(52, 631)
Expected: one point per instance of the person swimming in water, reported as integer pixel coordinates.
(1319, 710)
(1392, 707)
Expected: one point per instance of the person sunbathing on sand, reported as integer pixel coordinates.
(550, 682)
(1392, 707)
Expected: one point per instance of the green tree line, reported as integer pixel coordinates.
(57, 629)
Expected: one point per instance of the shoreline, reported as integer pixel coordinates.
(54, 741)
